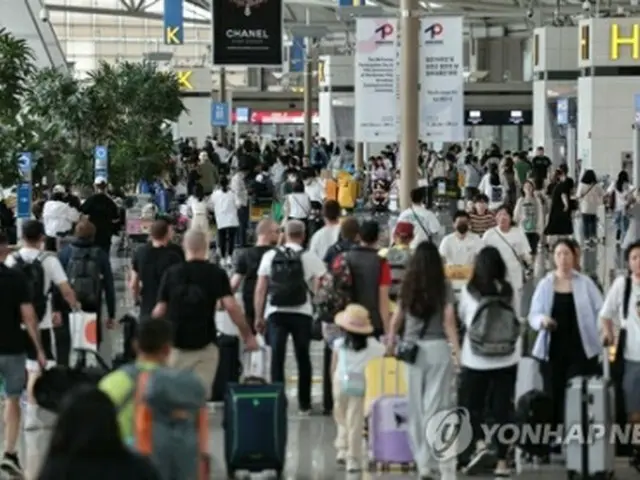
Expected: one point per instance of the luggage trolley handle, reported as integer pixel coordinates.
(606, 363)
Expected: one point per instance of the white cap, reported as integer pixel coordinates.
(100, 181)
(59, 189)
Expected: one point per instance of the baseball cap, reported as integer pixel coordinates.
(100, 181)
(404, 229)
(59, 189)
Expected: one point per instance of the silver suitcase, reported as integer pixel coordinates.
(589, 407)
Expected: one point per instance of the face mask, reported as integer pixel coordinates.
(462, 228)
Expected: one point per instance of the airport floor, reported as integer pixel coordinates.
(311, 454)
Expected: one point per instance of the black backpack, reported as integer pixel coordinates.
(85, 276)
(287, 285)
(34, 273)
(534, 410)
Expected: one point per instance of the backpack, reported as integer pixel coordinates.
(34, 273)
(190, 300)
(170, 421)
(495, 329)
(534, 410)
(497, 194)
(287, 283)
(398, 258)
(84, 272)
(335, 291)
(353, 383)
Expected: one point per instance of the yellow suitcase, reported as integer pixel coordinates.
(384, 376)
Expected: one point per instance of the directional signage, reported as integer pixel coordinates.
(23, 201)
(243, 115)
(220, 114)
(173, 18)
(562, 111)
(101, 162)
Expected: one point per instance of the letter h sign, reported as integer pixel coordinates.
(617, 41)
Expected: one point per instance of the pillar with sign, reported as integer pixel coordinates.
(24, 190)
(555, 72)
(609, 61)
(101, 164)
(220, 116)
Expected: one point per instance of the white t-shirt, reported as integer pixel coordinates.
(299, 205)
(621, 198)
(356, 362)
(313, 267)
(421, 219)
(199, 213)
(58, 217)
(458, 250)
(53, 274)
(497, 194)
(506, 243)
(612, 309)
(467, 306)
(323, 239)
(224, 208)
(314, 191)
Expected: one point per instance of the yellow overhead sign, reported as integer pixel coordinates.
(632, 41)
(184, 79)
(585, 42)
(321, 72)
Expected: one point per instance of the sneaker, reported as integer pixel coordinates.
(11, 464)
(341, 458)
(305, 412)
(353, 466)
(482, 459)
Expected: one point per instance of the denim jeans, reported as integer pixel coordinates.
(280, 325)
(243, 219)
(589, 226)
(622, 224)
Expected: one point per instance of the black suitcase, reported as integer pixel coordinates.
(229, 366)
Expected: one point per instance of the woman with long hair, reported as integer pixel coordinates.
(529, 215)
(426, 310)
(487, 383)
(564, 310)
(198, 210)
(619, 194)
(494, 187)
(86, 443)
(560, 223)
(225, 209)
(590, 196)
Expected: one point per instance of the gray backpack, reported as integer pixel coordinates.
(170, 421)
(397, 258)
(494, 329)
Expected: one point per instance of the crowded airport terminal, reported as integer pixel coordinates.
(319, 239)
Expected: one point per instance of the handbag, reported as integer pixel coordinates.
(407, 350)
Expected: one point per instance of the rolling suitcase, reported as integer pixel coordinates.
(255, 428)
(388, 416)
(590, 458)
(384, 376)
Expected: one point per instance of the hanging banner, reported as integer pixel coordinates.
(296, 55)
(441, 79)
(173, 20)
(375, 80)
(248, 33)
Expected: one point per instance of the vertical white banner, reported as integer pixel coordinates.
(375, 80)
(441, 79)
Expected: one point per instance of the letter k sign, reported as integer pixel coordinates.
(184, 80)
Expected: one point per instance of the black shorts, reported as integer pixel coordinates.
(47, 345)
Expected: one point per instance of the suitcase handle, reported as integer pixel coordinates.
(383, 371)
(606, 364)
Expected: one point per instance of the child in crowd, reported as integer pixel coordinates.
(351, 353)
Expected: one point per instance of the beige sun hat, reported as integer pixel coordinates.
(355, 319)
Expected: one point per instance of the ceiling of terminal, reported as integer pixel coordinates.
(325, 12)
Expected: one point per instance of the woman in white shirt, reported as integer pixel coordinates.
(313, 188)
(223, 204)
(198, 210)
(619, 194)
(590, 196)
(482, 374)
(494, 187)
(58, 216)
(514, 248)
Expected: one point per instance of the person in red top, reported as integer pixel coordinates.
(371, 277)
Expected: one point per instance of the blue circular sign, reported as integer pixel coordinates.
(101, 153)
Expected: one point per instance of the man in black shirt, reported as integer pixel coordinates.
(17, 310)
(188, 295)
(149, 264)
(246, 271)
(103, 213)
(540, 168)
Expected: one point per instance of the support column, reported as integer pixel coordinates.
(308, 88)
(222, 99)
(409, 61)
(359, 156)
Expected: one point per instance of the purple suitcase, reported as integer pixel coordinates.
(388, 435)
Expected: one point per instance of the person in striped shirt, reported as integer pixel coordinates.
(480, 217)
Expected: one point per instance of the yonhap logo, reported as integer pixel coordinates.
(449, 432)
(434, 33)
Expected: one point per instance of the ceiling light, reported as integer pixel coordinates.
(430, 5)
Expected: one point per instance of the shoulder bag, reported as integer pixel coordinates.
(422, 227)
(527, 270)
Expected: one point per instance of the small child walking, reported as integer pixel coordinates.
(351, 353)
